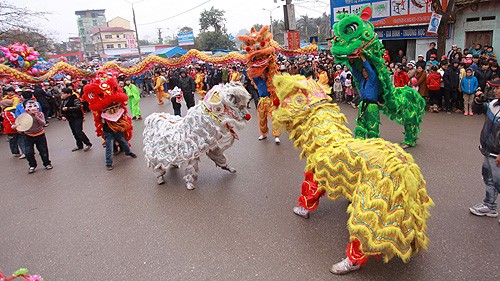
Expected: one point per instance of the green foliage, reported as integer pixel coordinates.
(211, 40)
(185, 29)
(213, 19)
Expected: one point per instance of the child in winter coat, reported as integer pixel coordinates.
(469, 85)
(433, 82)
(337, 89)
(348, 89)
(15, 139)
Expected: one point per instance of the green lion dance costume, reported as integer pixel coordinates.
(354, 38)
(389, 203)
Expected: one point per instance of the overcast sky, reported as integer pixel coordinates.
(240, 14)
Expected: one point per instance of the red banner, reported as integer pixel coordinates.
(292, 39)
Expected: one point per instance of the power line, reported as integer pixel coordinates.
(176, 15)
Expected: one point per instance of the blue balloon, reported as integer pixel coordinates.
(20, 60)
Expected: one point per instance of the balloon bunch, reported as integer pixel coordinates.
(19, 56)
(41, 67)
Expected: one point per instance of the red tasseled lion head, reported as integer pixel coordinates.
(259, 51)
(103, 94)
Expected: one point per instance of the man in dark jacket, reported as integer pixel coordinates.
(432, 51)
(43, 99)
(188, 87)
(71, 109)
(483, 74)
(490, 148)
(451, 79)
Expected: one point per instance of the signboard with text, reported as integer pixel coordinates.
(292, 39)
(186, 38)
(387, 12)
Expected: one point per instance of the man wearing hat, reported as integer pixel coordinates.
(420, 62)
(451, 53)
(490, 148)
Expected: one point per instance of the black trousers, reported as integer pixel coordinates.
(41, 145)
(76, 126)
(450, 98)
(189, 98)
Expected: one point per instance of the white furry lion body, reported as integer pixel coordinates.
(206, 129)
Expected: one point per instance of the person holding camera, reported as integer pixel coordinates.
(490, 148)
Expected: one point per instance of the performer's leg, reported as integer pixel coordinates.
(159, 96)
(262, 115)
(309, 198)
(411, 135)
(360, 130)
(372, 117)
(191, 173)
(355, 259)
(217, 155)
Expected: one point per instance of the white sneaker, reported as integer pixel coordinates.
(22, 156)
(301, 212)
(277, 140)
(343, 267)
(261, 137)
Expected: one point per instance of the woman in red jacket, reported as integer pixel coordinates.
(15, 139)
(433, 82)
(401, 78)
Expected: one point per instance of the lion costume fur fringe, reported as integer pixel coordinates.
(389, 202)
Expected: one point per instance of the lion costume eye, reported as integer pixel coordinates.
(351, 28)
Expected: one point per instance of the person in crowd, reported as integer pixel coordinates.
(16, 143)
(323, 76)
(349, 93)
(411, 69)
(433, 82)
(134, 97)
(489, 54)
(420, 62)
(451, 53)
(421, 76)
(35, 135)
(490, 149)
(399, 57)
(71, 109)
(401, 78)
(476, 50)
(431, 62)
(188, 87)
(10, 93)
(43, 99)
(441, 72)
(432, 51)
(159, 89)
(337, 90)
(483, 74)
(468, 87)
(475, 62)
(451, 80)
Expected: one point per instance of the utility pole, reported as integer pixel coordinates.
(136, 33)
(160, 39)
(270, 17)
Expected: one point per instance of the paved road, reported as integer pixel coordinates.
(82, 222)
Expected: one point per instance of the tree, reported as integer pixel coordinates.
(211, 40)
(449, 15)
(143, 42)
(15, 18)
(258, 26)
(304, 24)
(185, 29)
(32, 38)
(213, 18)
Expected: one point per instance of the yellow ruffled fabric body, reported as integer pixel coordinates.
(389, 203)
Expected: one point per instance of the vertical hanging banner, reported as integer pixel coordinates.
(434, 23)
(292, 39)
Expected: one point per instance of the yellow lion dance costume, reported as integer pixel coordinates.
(389, 202)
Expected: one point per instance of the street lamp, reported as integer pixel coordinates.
(135, 25)
(173, 30)
(271, 16)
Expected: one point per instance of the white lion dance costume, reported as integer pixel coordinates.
(389, 203)
(207, 128)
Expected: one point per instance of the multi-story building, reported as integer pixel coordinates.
(112, 38)
(87, 22)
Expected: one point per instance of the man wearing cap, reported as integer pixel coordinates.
(490, 148)
(451, 53)
(420, 61)
(432, 51)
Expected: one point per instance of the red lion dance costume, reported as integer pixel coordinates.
(107, 102)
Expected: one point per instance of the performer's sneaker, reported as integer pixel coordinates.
(261, 137)
(109, 167)
(277, 140)
(87, 147)
(31, 170)
(301, 211)
(131, 154)
(483, 210)
(49, 167)
(343, 267)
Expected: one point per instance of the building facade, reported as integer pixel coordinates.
(87, 21)
(477, 24)
(119, 22)
(112, 38)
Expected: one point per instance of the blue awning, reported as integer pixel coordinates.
(169, 52)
